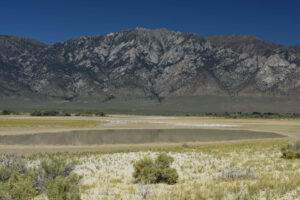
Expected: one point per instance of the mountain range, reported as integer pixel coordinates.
(148, 63)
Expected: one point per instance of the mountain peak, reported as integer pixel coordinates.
(144, 62)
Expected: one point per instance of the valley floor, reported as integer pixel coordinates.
(235, 169)
(22, 125)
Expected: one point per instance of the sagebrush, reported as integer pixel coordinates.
(150, 171)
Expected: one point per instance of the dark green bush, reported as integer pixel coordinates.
(291, 151)
(168, 175)
(163, 161)
(145, 171)
(158, 171)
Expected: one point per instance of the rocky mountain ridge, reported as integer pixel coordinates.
(148, 63)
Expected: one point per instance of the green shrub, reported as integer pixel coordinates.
(61, 184)
(168, 175)
(21, 186)
(57, 167)
(159, 171)
(11, 164)
(63, 188)
(163, 161)
(17, 181)
(145, 171)
(291, 151)
(4, 192)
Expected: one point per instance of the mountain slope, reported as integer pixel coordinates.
(148, 63)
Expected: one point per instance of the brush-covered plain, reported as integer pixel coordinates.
(236, 171)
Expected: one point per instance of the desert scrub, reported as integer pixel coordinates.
(158, 171)
(19, 186)
(206, 172)
(61, 183)
(9, 165)
(63, 188)
(17, 181)
(57, 166)
(291, 151)
(23, 178)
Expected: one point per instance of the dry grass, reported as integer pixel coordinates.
(25, 125)
(201, 174)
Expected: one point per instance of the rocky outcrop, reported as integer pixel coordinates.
(151, 63)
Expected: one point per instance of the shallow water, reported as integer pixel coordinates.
(115, 123)
(133, 136)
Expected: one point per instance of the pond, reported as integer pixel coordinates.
(133, 136)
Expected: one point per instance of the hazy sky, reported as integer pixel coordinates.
(50, 21)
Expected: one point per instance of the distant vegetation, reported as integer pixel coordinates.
(89, 113)
(231, 115)
(267, 115)
(54, 113)
(49, 113)
(5, 112)
(8, 112)
(62, 113)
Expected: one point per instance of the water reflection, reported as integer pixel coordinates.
(133, 136)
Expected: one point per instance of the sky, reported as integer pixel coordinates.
(50, 21)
